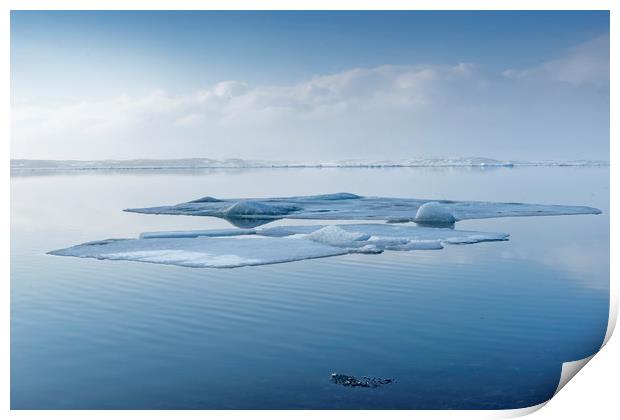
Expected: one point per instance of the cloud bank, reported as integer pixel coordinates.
(585, 64)
(385, 111)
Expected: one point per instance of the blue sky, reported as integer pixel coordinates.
(324, 85)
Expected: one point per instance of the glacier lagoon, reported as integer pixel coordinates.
(480, 326)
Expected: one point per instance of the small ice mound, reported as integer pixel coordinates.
(434, 213)
(474, 239)
(366, 249)
(206, 199)
(257, 208)
(336, 236)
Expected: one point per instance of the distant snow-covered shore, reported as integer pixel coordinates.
(204, 163)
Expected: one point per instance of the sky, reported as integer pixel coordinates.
(309, 85)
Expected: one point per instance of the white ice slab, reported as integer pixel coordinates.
(204, 251)
(244, 247)
(346, 206)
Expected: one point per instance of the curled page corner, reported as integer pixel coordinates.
(569, 370)
(515, 412)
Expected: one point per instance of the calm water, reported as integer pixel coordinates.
(477, 326)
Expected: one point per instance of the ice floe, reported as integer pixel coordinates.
(254, 245)
(229, 248)
(204, 251)
(346, 206)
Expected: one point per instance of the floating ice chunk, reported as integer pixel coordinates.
(403, 244)
(434, 212)
(335, 235)
(379, 232)
(472, 239)
(204, 251)
(366, 249)
(224, 249)
(344, 206)
(409, 237)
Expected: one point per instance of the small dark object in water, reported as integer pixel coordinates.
(363, 381)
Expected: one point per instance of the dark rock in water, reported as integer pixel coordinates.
(362, 381)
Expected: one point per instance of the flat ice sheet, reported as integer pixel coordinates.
(225, 249)
(203, 251)
(347, 206)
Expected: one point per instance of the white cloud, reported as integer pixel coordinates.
(584, 64)
(230, 103)
(387, 111)
(380, 87)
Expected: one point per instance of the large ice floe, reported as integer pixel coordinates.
(346, 206)
(229, 248)
(253, 245)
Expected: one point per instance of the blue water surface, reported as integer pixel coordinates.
(469, 327)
